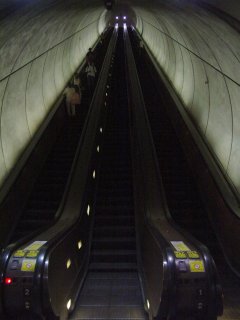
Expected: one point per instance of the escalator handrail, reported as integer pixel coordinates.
(164, 246)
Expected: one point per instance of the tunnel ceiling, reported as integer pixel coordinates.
(44, 41)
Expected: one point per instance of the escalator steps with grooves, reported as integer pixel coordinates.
(113, 247)
(109, 289)
(183, 198)
(47, 193)
(112, 288)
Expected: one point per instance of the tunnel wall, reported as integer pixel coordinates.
(44, 41)
(41, 47)
(232, 7)
(200, 54)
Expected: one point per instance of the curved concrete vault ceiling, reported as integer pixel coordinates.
(200, 54)
(41, 45)
(42, 42)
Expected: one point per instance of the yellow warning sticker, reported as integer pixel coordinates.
(196, 266)
(28, 265)
(32, 254)
(35, 245)
(180, 246)
(193, 255)
(19, 254)
(180, 255)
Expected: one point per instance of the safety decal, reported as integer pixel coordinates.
(180, 246)
(193, 255)
(32, 254)
(28, 265)
(35, 245)
(196, 266)
(19, 254)
(180, 254)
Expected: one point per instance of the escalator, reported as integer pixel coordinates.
(47, 193)
(183, 197)
(40, 210)
(112, 254)
(112, 288)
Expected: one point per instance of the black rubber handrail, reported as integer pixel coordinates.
(169, 285)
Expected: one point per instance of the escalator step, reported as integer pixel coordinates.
(42, 204)
(115, 201)
(114, 192)
(114, 220)
(106, 208)
(113, 267)
(109, 243)
(52, 180)
(113, 256)
(108, 295)
(26, 224)
(114, 231)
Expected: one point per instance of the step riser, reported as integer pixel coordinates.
(112, 245)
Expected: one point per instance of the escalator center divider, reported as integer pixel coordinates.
(113, 246)
(113, 266)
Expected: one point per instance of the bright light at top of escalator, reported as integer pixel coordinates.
(117, 17)
(124, 17)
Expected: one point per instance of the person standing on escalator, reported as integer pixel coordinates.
(67, 93)
(90, 56)
(77, 82)
(73, 99)
(91, 74)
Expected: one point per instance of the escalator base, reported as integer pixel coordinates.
(110, 295)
